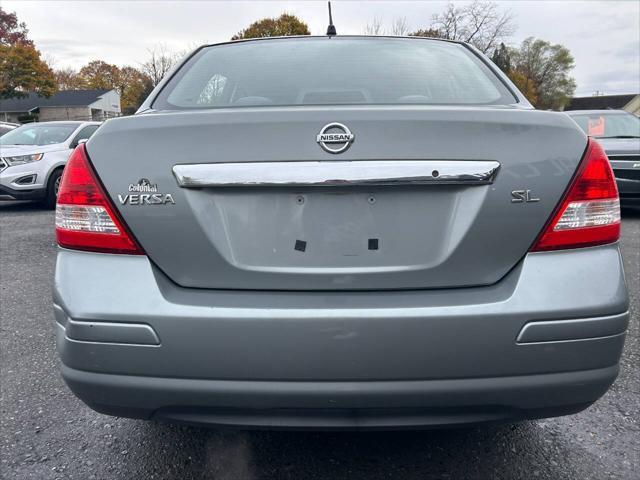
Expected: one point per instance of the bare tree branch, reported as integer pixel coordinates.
(375, 27)
(400, 27)
(480, 23)
(160, 61)
(69, 79)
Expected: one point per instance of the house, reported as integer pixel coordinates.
(98, 104)
(630, 103)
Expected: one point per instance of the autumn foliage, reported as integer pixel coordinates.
(540, 70)
(132, 85)
(283, 26)
(12, 31)
(21, 68)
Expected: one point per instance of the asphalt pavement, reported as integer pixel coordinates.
(46, 433)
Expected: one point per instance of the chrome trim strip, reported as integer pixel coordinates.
(337, 173)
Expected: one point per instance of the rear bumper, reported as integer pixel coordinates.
(628, 187)
(341, 405)
(544, 341)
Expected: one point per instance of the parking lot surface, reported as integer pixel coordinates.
(46, 433)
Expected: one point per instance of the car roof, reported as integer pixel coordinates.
(600, 112)
(76, 123)
(305, 37)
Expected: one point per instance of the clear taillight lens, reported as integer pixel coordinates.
(594, 213)
(84, 218)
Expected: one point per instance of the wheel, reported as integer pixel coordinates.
(53, 185)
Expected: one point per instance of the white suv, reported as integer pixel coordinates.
(33, 156)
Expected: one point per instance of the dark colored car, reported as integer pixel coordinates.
(619, 134)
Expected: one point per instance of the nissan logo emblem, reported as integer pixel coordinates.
(335, 138)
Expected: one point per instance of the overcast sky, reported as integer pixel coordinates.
(603, 36)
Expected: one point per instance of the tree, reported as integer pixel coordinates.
(545, 69)
(22, 71)
(12, 31)
(400, 27)
(502, 58)
(129, 82)
(480, 23)
(131, 85)
(160, 61)
(144, 93)
(526, 85)
(100, 74)
(429, 32)
(69, 79)
(283, 26)
(374, 27)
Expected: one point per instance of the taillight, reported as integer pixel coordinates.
(589, 213)
(85, 217)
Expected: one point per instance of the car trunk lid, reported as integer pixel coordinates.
(425, 197)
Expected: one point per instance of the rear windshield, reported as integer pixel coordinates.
(330, 71)
(608, 125)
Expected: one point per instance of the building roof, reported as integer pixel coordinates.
(602, 102)
(64, 98)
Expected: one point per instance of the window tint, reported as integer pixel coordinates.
(340, 70)
(85, 133)
(39, 134)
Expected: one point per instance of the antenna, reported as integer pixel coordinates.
(331, 30)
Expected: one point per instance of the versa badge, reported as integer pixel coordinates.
(146, 193)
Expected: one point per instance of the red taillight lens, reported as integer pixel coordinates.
(85, 218)
(589, 213)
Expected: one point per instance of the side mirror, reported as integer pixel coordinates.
(79, 142)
